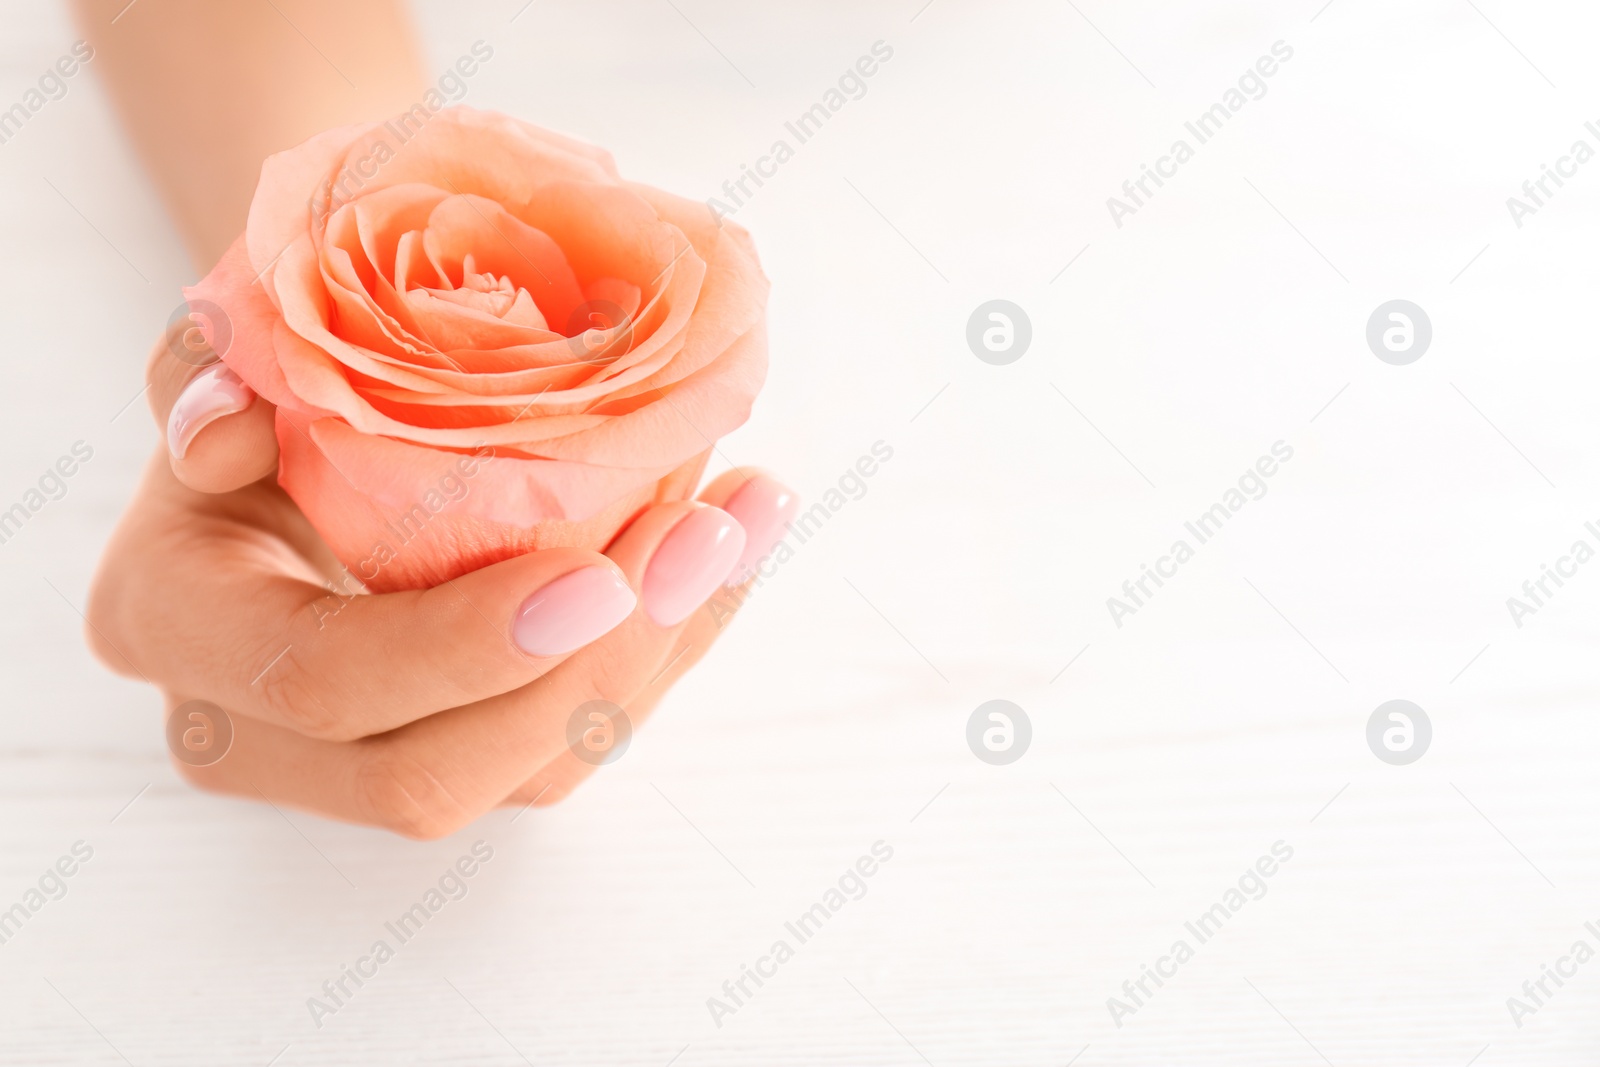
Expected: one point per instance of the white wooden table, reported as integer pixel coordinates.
(1227, 714)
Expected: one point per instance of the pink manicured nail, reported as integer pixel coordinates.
(691, 563)
(215, 392)
(571, 611)
(764, 507)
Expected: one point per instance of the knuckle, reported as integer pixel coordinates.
(294, 698)
(100, 624)
(104, 631)
(400, 793)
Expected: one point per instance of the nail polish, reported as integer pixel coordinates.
(214, 392)
(572, 611)
(690, 564)
(764, 507)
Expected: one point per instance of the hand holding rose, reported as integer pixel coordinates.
(486, 372)
(415, 710)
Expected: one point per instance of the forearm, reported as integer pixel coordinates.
(207, 89)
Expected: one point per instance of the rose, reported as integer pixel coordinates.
(475, 296)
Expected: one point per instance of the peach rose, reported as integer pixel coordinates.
(482, 341)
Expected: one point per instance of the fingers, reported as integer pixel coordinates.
(208, 605)
(219, 433)
(436, 773)
(676, 554)
(556, 781)
(764, 507)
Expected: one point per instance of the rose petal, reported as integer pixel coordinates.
(232, 286)
(453, 280)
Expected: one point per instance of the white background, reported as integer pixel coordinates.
(1224, 716)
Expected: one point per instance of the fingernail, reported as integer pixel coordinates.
(690, 564)
(215, 392)
(571, 611)
(764, 507)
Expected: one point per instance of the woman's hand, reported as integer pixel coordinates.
(415, 711)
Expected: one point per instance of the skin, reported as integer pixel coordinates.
(206, 90)
(411, 711)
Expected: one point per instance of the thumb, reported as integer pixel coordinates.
(219, 433)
